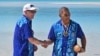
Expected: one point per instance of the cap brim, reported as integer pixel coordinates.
(33, 8)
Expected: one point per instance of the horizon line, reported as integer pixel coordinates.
(48, 3)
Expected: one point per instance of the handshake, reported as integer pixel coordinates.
(44, 43)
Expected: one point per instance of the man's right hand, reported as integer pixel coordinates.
(45, 44)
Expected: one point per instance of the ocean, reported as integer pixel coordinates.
(88, 16)
(50, 0)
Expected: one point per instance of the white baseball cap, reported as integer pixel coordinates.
(29, 7)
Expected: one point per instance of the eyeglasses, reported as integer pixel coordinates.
(32, 11)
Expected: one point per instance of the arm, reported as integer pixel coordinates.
(49, 41)
(35, 41)
(83, 43)
(46, 43)
(29, 35)
(80, 34)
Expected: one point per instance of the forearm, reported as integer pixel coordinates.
(35, 41)
(49, 41)
(83, 42)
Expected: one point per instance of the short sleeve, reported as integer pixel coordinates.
(28, 31)
(51, 34)
(79, 33)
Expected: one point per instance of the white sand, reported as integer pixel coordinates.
(6, 47)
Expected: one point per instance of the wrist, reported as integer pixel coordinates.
(82, 49)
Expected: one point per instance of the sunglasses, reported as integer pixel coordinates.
(32, 11)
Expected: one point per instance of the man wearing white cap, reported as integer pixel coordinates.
(24, 42)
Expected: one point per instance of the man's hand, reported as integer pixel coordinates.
(35, 48)
(45, 44)
(78, 49)
(82, 50)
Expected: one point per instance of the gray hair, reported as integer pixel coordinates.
(65, 8)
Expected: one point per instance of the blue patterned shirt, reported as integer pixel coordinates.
(63, 45)
(23, 31)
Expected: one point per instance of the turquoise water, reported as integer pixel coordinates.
(45, 16)
(55, 0)
(87, 16)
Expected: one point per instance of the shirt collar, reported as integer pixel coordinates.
(27, 18)
(61, 22)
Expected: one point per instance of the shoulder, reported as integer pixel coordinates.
(57, 23)
(74, 23)
(22, 21)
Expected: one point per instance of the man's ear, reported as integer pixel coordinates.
(25, 12)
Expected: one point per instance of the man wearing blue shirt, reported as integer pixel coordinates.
(24, 41)
(64, 34)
